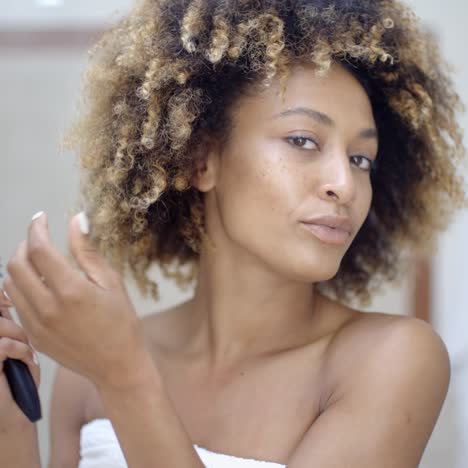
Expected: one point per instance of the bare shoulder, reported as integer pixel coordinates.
(390, 376)
(373, 340)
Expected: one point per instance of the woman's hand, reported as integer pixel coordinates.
(13, 344)
(86, 323)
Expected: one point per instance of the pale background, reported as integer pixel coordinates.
(38, 93)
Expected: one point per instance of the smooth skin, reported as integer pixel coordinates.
(258, 364)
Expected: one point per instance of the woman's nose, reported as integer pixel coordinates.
(337, 179)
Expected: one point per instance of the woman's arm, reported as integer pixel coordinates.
(19, 446)
(386, 410)
(88, 324)
(145, 421)
(67, 415)
(131, 403)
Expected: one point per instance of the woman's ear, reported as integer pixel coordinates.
(206, 166)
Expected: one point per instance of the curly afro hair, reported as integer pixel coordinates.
(165, 77)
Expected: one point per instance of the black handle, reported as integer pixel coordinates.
(22, 387)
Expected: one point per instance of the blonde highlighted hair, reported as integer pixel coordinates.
(166, 76)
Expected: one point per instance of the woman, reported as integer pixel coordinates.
(275, 153)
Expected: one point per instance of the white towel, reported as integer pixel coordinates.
(99, 448)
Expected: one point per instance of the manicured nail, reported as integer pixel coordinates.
(84, 222)
(39, 213)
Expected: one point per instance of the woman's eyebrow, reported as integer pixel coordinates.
(368, 133)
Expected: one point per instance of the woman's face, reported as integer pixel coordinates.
(277, 171)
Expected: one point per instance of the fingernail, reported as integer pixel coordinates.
(84, 222)
(39, 213)
(6, 295)
(35, 358)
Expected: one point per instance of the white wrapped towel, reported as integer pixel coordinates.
(99, 448)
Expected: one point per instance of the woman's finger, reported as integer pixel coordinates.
(5, 303)
(24, 286)
(12, 349)
(45, 259)
(8, 327)
(4, 312)
(26, 313)
(90, 261)
(4, 299)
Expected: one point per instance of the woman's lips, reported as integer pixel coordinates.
(327, 234)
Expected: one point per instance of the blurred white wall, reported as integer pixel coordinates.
(38, 92)
(43, 14)
(448, 447)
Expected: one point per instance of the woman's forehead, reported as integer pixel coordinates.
(324, 100)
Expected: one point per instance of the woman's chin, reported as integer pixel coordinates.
(314, 272)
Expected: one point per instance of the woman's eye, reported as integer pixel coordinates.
(368, 162)
(302, 140)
